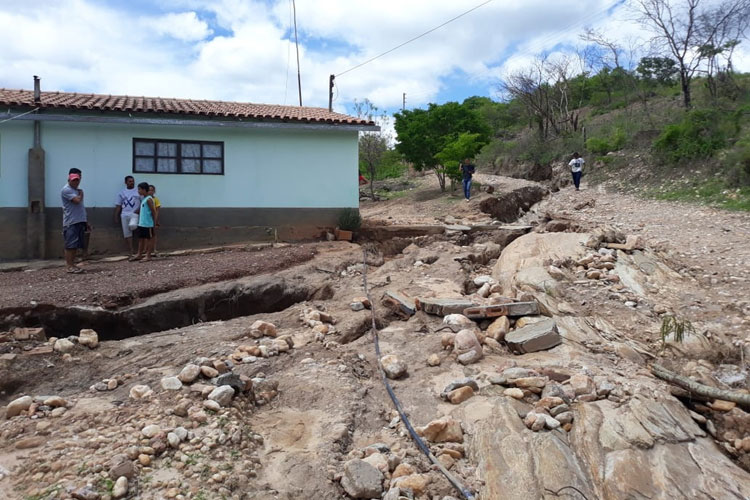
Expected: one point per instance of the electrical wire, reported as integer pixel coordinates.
(19, 116)
(418, 440)
(415, 38)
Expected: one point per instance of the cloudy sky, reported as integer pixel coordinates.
(243, 50)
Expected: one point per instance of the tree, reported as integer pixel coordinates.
(422, 134)
(466, 145)
(372, 145)
(682, 28)
(661, 70)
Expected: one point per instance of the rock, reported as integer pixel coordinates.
(448, 339)
(63, 345)
(121, 487)
(458, 322)
(140, 391)
(484, 279)
(171, 384)
(517, 372)
(264, 328)
(362, 300)
(122, 466)
(470, 357)
(528, 320)
(189, 373)
(433, 360)
(379, 461)
(393, 366)
(55, 402)
(556, 273)
(565, 417)
(550, 422)
(460, 395)
(484, 290)
(417, 483)
(536, 337)
(212, 405)
(209, 371)
(361, 480)
(233, 380)
(30, 442)
(173, 440)
(721, 405)
(581, 384)
(88, 338)
(499, 328)
(151, 430)
(357, 306)
(464, 382)
(16, 406)
(443, 430)
(514, 393)
(530, 382)
(222, 395)
(85, 493)
(144, 460)
(555, 411)
(403, 469)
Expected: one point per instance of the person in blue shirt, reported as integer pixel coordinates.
(146, 223)
(75, 222)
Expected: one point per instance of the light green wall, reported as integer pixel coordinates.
(262, 167)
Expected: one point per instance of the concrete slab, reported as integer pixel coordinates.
(443, 307)
(535, 337)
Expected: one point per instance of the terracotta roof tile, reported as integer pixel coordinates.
(235, 110)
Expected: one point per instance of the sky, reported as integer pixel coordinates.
(244, 50)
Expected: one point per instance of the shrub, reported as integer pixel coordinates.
(737, 164)
(601, 146)
(349, 219)
(698, 135)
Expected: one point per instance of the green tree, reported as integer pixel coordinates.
(372, 145)
(423, 134)
(661, 70)
(466, 145)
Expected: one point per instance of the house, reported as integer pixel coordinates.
(224, 171)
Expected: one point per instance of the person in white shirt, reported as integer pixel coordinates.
(127, 202)
(576, 168)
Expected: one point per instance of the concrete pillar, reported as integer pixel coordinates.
(35, 219)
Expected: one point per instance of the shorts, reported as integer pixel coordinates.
(126, 231)
(145, 233)
(75, 236)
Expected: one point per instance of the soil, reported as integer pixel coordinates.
(331, 404)
(114, 284)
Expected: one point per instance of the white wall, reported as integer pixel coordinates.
(262, 167)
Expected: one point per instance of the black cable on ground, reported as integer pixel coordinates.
(420, 443)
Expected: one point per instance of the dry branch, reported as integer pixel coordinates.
(692, 386)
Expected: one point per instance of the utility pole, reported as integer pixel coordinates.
(296, 43)
(330, 92)
(403, 102)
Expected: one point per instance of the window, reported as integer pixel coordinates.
(164, 156)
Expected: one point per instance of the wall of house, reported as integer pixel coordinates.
(289, 183)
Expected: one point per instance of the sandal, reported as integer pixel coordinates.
(134, 258)
(74, 270)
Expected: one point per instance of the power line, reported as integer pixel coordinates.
(288, 55)
(415, 38)
(296, 43)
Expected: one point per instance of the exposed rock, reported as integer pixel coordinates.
(63, 345)
(18, 405)
(514, 393)
(433, 360)
(222, 395)
(581, 384)
(443, 430)
(403, 469)
(458, 322)
(458, 396)
(261, 328)
(456, 384)
(417, 483)
(122, 466)
(536, 337)
(55, 402)
(189, 373)
(171, 384)
(151, 430)
(209, 371)
(499, 328)
(361, 480)
(470, 357)
(393, 366)
(121, 487)
(140, 391)
(88, 338)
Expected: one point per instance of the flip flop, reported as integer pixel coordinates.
(75, 270)
(133, 259)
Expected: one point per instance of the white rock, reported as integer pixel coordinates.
(140, 391)
(212, 405)
(121, 487)
(393, 366)
(484, 290)
(484, 279)
(173, 440)
(63, 345)
(222, 395)
(89, 338)
(171, 384)
(265, 328)
(151, 430)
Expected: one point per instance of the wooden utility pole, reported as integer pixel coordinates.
(330, 92)
(296, 43)
(403, 102)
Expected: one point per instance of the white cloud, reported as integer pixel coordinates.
(184, 26)
(110, 47)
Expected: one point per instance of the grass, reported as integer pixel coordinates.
(711, 192)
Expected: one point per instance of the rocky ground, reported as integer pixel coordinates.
(550, 403)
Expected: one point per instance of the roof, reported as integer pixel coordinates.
(214, 109)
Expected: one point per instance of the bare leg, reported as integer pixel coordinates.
(70, 256)
(130, 244)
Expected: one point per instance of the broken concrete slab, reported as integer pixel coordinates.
(401, 303)
(443, 307)
(535, 337)
(510, 309)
